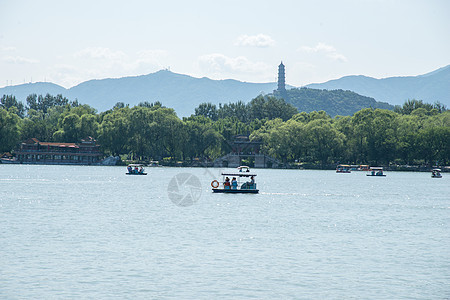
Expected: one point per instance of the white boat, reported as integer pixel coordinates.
(240, 182)
(154, 163)
(436, 173)
(343, 169)
(8, 161)
(376, 171)
(135, 169)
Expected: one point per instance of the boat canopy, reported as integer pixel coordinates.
(244, 171)
(241, 168)
(376, 168)
(437, 170)
(246, 174)
(135, 165)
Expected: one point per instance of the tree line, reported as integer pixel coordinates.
(415, 133)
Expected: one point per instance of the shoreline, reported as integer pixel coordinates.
(329, 167)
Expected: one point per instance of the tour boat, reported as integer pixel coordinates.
(240, 182)
(135, 169)
(436, 173)
(364, 168)
(376, 171)
(343, 169)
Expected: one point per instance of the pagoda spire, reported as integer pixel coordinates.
(281, 78)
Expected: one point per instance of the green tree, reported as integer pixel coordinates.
(434, 145)
(344, 125)
(170, 130)
(9, 130)
(269, 140)
(207, 110)
(323, 141)
(287, 141)
(271, 108)
(36, 126)
(141, 135)
(68, 129)
(114, 132)
(412, 104)
(88, 126)
(408, 128)
(9, 102)
(43, 104)
(384, 136)
(203, 140)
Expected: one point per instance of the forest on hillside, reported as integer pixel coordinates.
(415, 133)
(333, 102)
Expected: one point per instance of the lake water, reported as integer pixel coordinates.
(95, 233)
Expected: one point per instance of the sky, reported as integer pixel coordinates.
(71, 41)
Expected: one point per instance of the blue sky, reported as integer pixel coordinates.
(68, 42)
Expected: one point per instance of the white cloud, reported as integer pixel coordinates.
(337, 56)
(67, 75)
(218, 63)
(19, 60)
(101, 53)
(7, 48)
(320, 47)
(109, 58)
(260, 40)
(97, 63)
(150, 58)
(328, 50)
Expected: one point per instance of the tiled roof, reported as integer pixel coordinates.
(34, 141)
(58, 144)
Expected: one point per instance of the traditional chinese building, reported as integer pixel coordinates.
(242, 148)
(242, 145)
(281, 78)
(281, 90)
(33, 151)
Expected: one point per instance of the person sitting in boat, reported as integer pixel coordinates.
(141, 170)
(136, 170)
(234, 183)
(130, 169)
(251, 183)
(435, 173)
(226, 184)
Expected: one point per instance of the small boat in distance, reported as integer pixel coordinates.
(135, 169)
(436, 173)
(364, 168)
(241, 182)
(376, 171)
(343, 169)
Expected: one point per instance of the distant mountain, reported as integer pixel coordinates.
(334, 102)
(184, 93)
(181, 92)
(21, 92)
(430, 87)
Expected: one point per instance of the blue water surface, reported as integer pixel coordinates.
(91, 232)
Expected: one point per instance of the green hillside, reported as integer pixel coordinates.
(334, 102)
(431, 87)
